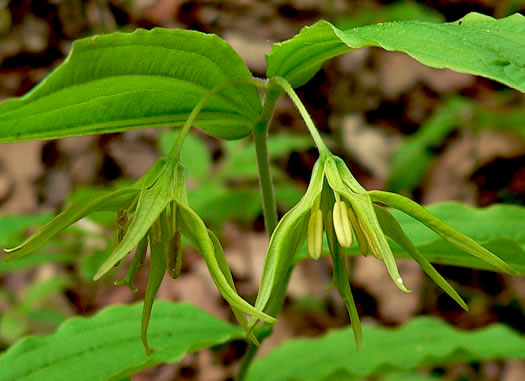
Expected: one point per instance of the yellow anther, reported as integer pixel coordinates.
(342, 226)
(314, 239)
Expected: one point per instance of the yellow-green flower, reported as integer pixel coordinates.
(335, 203)
(154, 213)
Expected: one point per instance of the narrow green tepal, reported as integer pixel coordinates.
(476, 44)
(447, 232)
(107, 346)
(123, 81)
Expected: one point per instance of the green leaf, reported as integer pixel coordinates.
(108, 345)
(421, 342)
(122, 81)
(475, 44)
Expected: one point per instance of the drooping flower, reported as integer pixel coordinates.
(335, 203)
(154, 212)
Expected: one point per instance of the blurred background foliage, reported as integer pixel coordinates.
(430, 134)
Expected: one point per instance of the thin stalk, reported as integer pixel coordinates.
(177, 147)
(283, 83)
(260, 135)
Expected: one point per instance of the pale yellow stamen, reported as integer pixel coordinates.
(314, 238)
(342, 226)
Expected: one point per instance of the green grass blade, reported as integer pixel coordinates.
(108, 345)
(475, 44)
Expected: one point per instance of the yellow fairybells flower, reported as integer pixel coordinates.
(336, 203)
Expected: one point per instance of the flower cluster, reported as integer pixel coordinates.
(336, 204)
(154, 213)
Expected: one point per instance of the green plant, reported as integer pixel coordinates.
(154, 78)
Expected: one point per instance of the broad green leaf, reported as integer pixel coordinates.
(475, 44)
(498, 228)
(108, 345)
(122, 81)
(216, 203)
(411, 161)
(421, 342)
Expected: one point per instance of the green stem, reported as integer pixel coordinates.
(275, 304)
(260, 134)
(283, 83)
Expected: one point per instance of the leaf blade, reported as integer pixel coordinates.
(475, 44)
(425, 341)
(108, 345)
(142, 79)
